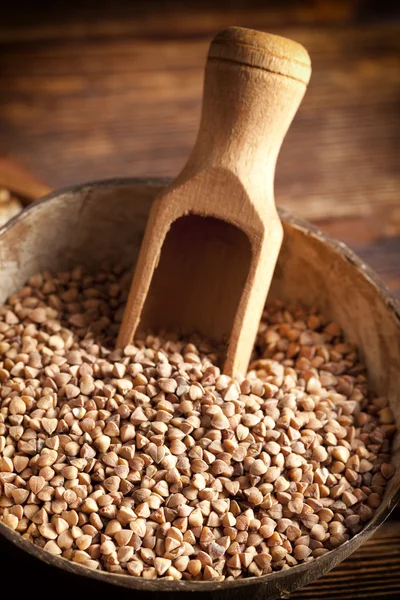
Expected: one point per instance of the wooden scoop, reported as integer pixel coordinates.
(213, 236)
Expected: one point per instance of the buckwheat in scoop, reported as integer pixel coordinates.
(148, 461)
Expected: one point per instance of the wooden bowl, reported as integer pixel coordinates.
(105, 221)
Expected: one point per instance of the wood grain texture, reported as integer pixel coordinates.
(90, 91)
(112, 96)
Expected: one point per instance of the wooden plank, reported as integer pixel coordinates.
(173, 18)
(131, 107)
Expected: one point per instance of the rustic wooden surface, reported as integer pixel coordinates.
(113, 89)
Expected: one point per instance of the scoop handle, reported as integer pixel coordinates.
(253, 86)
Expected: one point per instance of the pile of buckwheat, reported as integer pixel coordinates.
(150, 462)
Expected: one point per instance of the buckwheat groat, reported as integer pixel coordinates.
(150, 462)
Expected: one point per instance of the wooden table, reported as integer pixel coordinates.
(95, 91)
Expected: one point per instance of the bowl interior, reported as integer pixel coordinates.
(104, 223)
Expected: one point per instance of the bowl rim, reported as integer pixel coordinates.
(298, 574)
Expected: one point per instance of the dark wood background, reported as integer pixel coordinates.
(96, 90)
